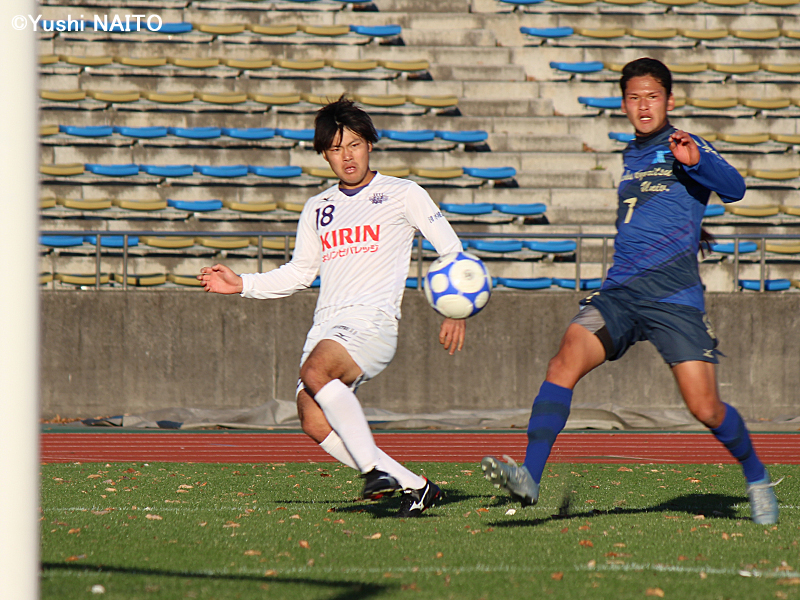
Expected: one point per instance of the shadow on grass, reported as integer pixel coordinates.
(341, 590)
(388, 507)
(716, 505)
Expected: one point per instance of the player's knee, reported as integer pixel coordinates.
(709, 414)
(559, 370)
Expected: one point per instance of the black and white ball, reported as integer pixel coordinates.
(458, 285)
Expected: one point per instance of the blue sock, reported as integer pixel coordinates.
(548, 417)
(734, 436)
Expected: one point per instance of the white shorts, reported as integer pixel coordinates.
(369, 335)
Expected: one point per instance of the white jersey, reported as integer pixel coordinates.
(360, 245)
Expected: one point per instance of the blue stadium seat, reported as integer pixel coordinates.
(548, 32)
(609, 102)
(195, 133)
(577, 67)
(770, 285)
(141, 132)
(112, 241)
(113, 170)
(168, 170)
(316, 283)
(423, 135)
(302, 135)
(377, 30)
(172, 28)
(91, 131)
(61, 241)
(522, 2)
(586, 284)
(500, 246)
(463, 137)
(276, 172)
(254, 133)
(490, 172)
(195, 205)
(481, 208)
(728, 248)
(621, 137)
(521, 210)
(221, 171)
(411, 283)
(714, 210)
(426, 245)
(551, 246)
(534, 283)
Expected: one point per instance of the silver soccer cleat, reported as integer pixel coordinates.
(516, 480)
(763, 503)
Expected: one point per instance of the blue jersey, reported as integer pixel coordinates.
(661, 206)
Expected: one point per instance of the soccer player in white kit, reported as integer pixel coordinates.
(358, 236)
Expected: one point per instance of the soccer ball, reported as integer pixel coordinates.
(458, 285)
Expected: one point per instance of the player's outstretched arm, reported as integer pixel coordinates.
(684, 148)
(451, 334)
(220, 280)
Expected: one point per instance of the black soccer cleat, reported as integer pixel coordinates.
(414, 502)
(378, 484)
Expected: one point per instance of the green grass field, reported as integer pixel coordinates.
(297, 531)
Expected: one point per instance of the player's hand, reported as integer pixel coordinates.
(451, 335)
(684, 148)
(220, 280)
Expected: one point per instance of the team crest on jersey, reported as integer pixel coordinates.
(660, 158)
(378, 198)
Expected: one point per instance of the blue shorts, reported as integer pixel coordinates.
(680, 333)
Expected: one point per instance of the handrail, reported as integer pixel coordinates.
(419, 258)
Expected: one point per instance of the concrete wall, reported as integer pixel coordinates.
(109, 352)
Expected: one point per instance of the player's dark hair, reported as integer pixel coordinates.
(332, 118)
(646, 66)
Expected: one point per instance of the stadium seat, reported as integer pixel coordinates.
(250, 207)
(521, 210)
(84, 204)
(195, 133)
(774, 174)
(734, 69)
(770, 285)
(715, 103)
(112, 241)
(577, 67)
(727, 3)
(273, 243)
(785, 138)
(221, 171)
(291, 206)
(223, 243)
(276, 30)
(139, 205)
(491, 172)
(86, 61)
(275, 99)
(621, 137)
(400, 172)
(66, 169)
(605, 103)
(482, 208)
(148, 280)
(551, 246)
(220, 28)
(782, 68)
(169, 97)
(168, 170)
(755, 34)
(412, 283)
(276, 172)
(438, 173)
(383, 101)
(653, 34)
(433, 101)
(463, 137)
(423, 135)
(714, 210)
(61, 241)
(187, 280)
(113, 170)
(172, 28)
(321, 172)
(222, 97)
(766, 103)
(46, 130)
(300, 65)
(548, 32)
(585, 284)
(730, 248)
(744, 139)
(352, 65)
(171, 242)
(497, 246)
(325, 30)
(535, 283)
(63, 95)
(753, 211)
(704, 34)
(255, 133)
(79, 279)
(150, 62)
(316, 283)
(301, 135)
(378, 30)
(688, 68)
(782, 248)
(91, 131)
(193, 63)
(195, 205)
(141, 132)
(601, 34)
(408, 66)
(248, 65)
(115, 97)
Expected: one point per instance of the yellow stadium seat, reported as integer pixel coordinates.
(433, 101)
(756, 34)
(187, 280)
(45, 278)
(438, 173)
(782, 68)
(300, 65)
(316, 99)
(734, 68)
(48, 202)
(46, 130)
(143, 205)
(223, 243)
(791, 210)
(169, 97)
(222, 97)
(325, 30)
(688, 68)
(272, 29)
(62, 169)
(704, 34)
(87, 61)
(718, 103)
(778, 3)
(273, 243)
(677, 2)
(77, 279)
(167, 242)
(63, 96)
(291, 206)
(154, 61)
(653, 34)
(728, 3)
(405, 65)
(774, 174)
(80, 204)
(765, 103)
(382, 101)
(322, 172)
(781, 247)
(603, 34)
(395, 171)
(48, 59)
(276, 99)
(791, 34)
(748, 139)
(119, 97)
(250, 207)
(785, 138)
(250, 65)
(352, 65)
(193, 63)
(142, 280)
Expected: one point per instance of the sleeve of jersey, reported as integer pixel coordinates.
(715, 173)
(295, 275)
(423, 214)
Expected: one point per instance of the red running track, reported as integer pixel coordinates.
(236, 447)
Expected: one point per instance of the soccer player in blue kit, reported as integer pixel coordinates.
(652, 292)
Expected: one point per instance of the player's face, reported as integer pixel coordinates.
(348, 157)
(646, 104)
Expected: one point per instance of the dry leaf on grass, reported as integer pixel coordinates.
(586, 543)
(374, 536)
(252, 552)
(154, 517)
(654, 592)
(558, 575)
(304, 544)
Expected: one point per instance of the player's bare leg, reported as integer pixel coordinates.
(580, 352)
(698, 384)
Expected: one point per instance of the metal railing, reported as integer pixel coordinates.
(579, 238)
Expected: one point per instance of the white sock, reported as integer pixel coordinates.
(334, 446)
(346, 417)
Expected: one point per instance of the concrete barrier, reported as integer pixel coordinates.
(109, 353)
